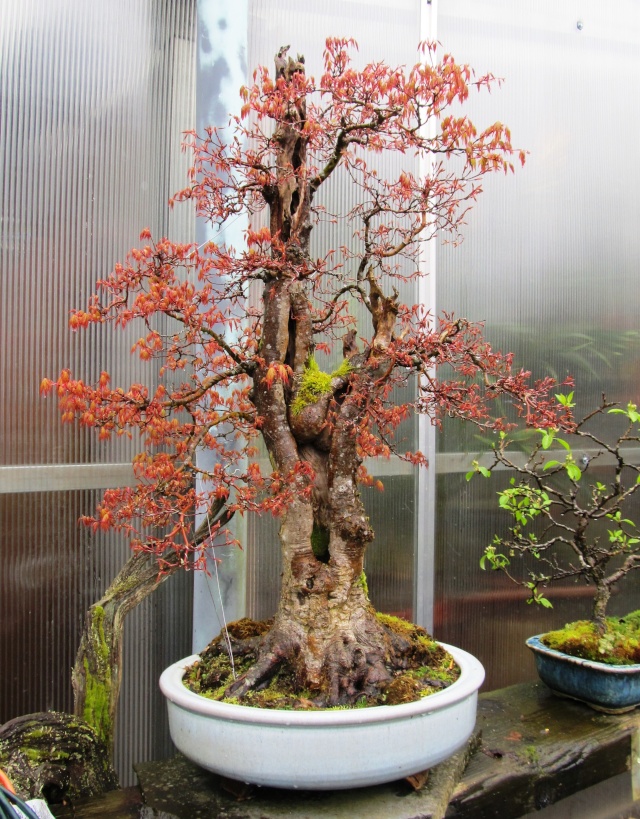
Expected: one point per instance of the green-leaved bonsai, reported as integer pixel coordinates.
(573, 507)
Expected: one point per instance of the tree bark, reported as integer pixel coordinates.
(97, 673)
(600, 602)
(325, 627)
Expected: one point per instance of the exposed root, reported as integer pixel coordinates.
(269, 659)
(353, 673)
(384, 661)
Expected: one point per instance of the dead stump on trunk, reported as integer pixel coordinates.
(55, 756)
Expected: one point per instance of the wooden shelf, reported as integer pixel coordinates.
(535, 749)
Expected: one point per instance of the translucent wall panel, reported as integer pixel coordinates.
(550, 262)
(385, 30)
(93, 101)
(53, 571)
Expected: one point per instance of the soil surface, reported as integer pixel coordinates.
(430, 669)
(619, 644)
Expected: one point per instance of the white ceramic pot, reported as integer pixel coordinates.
(323, 750)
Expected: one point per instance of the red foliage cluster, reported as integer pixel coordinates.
(208, 338)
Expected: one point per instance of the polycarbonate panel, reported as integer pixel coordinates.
(94, 98)
(54, 570)
(93, 102)
(550, 263)
(385, 30)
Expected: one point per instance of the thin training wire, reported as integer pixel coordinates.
(226, 226)
(224, 619)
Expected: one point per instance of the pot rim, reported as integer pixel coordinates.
(470, 680)
(537, 646)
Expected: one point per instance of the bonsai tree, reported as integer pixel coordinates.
(238, 334)
(572, 514)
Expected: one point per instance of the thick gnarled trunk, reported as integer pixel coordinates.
(325, 627)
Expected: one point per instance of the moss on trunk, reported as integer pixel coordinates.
(55, 756)
(97, 672)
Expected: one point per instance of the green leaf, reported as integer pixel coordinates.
(551, 464)
(565, 400)
(573, 471)
(547, 437)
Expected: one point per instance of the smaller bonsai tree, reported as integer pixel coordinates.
(573, 516)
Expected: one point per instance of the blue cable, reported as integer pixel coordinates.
(11, 807)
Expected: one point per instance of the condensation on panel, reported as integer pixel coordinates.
(386, 31)
(93, 102)
(549, 262)
(94, 99)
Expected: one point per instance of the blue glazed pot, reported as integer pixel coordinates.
(609, 688)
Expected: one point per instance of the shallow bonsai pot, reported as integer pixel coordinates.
(323, 750)
(612, 689)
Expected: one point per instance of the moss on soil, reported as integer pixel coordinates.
(619, 645)
(430, 669)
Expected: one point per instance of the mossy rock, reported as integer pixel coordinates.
(619, 644)
(403, 689)
(55, 756)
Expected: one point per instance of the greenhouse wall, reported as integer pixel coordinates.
(93, 103)
(550, 264)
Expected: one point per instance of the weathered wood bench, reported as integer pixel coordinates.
(534, 750)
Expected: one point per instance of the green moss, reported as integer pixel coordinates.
(98, 684)
(404, 628)
(618, 645)
(35, 735)
(361, 703)
(362, 581)
(395, 623)
(315, 383)
(96, 704)
(320, 542)
(98, 633)
(426, 668)
(343, 370)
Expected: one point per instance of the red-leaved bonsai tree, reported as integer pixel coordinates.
(236, 332)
